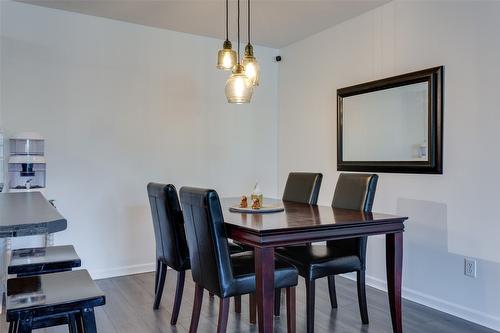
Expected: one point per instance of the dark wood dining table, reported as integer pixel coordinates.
(302, 223)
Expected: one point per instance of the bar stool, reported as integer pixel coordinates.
(53, 299)
(43, 260)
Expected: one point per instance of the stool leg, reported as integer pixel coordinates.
(88, 319)
(79, 323)
(25, 325)
(72, 324)
(13, 327)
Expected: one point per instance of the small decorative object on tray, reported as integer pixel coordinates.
(256, 205)
(257, 194)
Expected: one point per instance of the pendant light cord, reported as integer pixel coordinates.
(227, 19)
(248, 21)
(238, 32)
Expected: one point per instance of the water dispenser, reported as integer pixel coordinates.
(26, 165)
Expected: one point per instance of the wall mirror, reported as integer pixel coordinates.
(392, 125)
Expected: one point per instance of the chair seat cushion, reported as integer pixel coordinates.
(33, 261)
(285, 275)
(317, 261)
(235, 248)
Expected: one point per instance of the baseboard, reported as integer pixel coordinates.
(98, 274)
(453, 309)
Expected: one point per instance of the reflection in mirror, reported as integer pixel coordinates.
(387, 125)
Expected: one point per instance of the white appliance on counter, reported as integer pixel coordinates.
(26, 165)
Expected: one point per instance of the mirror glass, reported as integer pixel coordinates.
(387, 125)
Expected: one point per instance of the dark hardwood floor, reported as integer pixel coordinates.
(129, 309)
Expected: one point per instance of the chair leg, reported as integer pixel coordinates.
(333, 293)
(310, 299)
(290, 310)
(237, 304)
(363, 307)
(195, 316)
(161, 283)
(252, 304)
(88, 319)
(157, 274)
(223, 315)
(181, 276)
(277, 302)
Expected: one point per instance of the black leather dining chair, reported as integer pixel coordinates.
(300, 187)
(355, 192)
(214, 268)
(303, 187)
(171, 245)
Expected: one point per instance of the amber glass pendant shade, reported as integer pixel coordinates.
(226, 58)
(239, 87)
(251, 66)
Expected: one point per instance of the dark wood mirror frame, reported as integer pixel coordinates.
(434, 165)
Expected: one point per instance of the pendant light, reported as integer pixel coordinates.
(239, 88)
(252, 68)
(226, 58)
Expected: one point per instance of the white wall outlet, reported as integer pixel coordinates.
(470, 267)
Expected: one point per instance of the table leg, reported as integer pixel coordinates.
(394, 265)
(264, 274)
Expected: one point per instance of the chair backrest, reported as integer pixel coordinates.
(207, 241)
(168, 223)
(355, 191)
(303, 187)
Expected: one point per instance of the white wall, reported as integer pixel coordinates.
(121, 105)
(453, 215)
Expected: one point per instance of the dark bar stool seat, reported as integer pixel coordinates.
(53, 299)
(43, 260)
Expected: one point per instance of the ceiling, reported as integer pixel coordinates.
(275, 23)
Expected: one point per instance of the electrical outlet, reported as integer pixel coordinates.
(470, 267)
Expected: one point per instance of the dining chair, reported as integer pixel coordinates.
(303, 187)
(214, 268)
(171, 245)
(354, 192)
(300, 187)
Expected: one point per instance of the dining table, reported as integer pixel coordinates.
(24, 214)
(300, 223)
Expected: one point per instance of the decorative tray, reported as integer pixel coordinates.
(263, 210)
